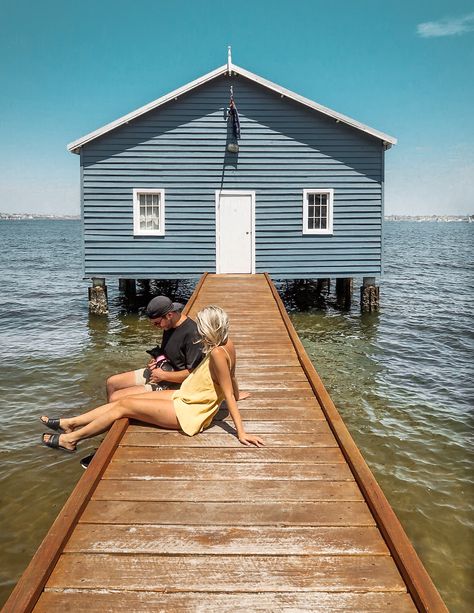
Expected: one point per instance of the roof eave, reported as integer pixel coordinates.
(388, 140)
(76, 145)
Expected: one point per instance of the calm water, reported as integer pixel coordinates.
(402, 380)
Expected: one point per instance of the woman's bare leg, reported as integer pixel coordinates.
(72, 423)
(157, 411)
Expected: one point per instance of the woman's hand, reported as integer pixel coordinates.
(249, 439)
(243, 395)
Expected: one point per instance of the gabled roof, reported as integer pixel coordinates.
(77, 144)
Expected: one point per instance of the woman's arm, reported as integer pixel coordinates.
(235, 387)
(237, 393)
(228, 384)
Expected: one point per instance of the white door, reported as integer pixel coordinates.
(235, 250)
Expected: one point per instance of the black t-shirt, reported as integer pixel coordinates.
(180, 347)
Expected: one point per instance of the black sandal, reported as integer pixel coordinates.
(53, 442)
(53, 424)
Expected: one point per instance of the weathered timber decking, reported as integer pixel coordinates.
(164, 522)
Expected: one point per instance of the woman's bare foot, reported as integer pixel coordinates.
(63, 424)
(62, 442)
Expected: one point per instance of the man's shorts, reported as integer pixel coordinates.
(141, 380)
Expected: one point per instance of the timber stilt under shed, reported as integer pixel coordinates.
(163, 521)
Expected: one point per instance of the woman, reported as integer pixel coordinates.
(190, 409)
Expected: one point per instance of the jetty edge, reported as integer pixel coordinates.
(275, 518)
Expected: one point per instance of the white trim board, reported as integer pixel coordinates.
(75, 146)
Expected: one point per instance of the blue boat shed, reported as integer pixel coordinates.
(173, 189)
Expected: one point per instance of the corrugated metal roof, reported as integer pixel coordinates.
(77, 144)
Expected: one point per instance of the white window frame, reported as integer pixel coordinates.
(330, 193)
(137, 231)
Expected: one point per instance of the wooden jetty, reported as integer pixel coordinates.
(164, 522)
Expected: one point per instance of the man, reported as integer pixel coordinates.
(178, 346)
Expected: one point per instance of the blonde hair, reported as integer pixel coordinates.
(213, 327)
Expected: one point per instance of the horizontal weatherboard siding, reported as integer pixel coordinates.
(181, 148)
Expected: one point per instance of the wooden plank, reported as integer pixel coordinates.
(299, 426)
(280, 391)
(226, 491)
(252, 412)
(217, 438)
(257, 368)
(279, 386)
(269, 376)
(234, 513)
(309, 404)
(279, 395)
(226, 540)
(240, 471)
(324, 455)
(227, 573)
(279, 413)
(194, 602)
(420, 585)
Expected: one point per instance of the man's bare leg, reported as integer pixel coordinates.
(120, 381)
(128, 391)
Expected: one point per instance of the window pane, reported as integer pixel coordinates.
(317, 211)
(149, 211)
(142, 200)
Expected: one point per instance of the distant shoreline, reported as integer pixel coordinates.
(445, 218)
(36, 216)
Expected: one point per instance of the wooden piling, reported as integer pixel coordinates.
(324, 286)
(369, 295)
(144, 286)
(129, 288)
(98, 303)
(344, 293)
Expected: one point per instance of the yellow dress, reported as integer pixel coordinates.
(197, 400)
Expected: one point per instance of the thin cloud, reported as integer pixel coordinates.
(447, 26)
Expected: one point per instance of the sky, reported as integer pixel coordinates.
(404, 67)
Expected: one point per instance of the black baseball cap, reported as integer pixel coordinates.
(160, 305)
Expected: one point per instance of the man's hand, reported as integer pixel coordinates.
(157, 375)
